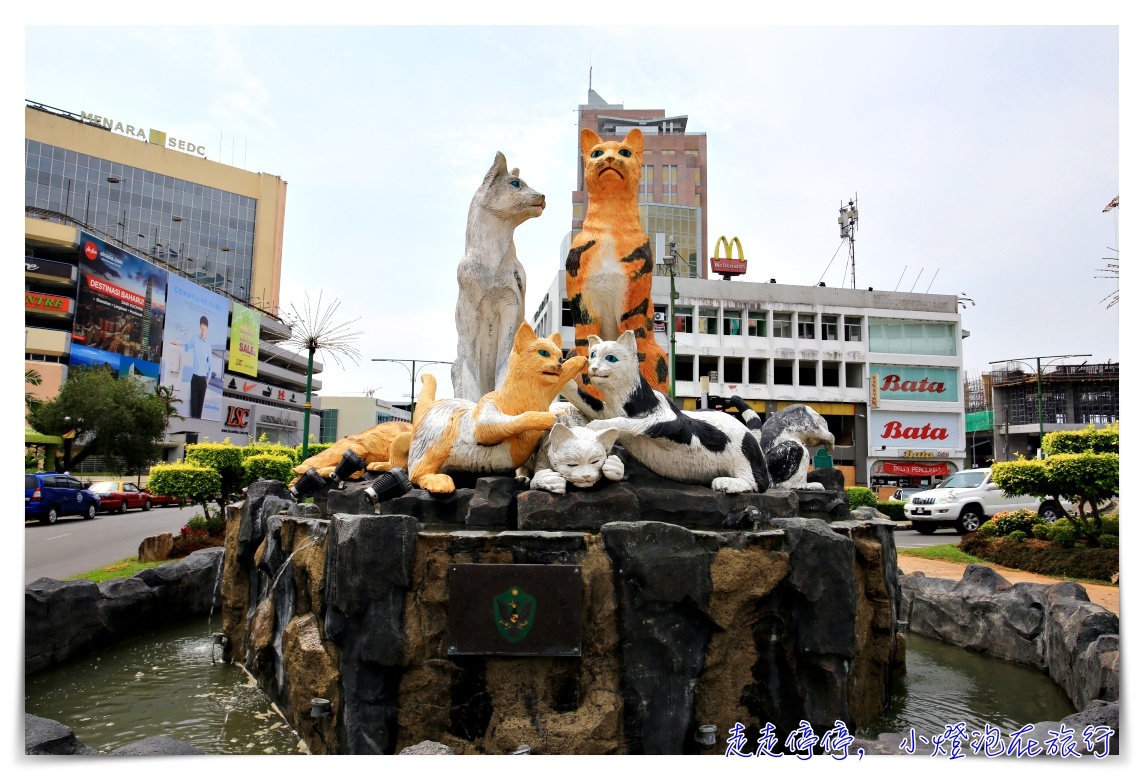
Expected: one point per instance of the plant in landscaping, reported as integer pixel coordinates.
(987, 530)
(198, 484)
(1015, 520)
(1018, 536)
(1109, 541)
(277, 467)
(226, 459)
(860, 496)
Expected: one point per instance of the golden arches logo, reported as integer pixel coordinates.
(729, 266)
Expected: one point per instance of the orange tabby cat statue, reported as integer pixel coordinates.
(609, 267)
(497, 433)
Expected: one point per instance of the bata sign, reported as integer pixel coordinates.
(911, 430)
(157, 137)
(913, 383)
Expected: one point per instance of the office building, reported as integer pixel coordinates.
(347, 415)
(137, 250)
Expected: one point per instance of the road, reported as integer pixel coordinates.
(74, 545)
(914, 539)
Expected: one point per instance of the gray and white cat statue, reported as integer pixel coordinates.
(788, 438)
(577, 456)
(700, 447)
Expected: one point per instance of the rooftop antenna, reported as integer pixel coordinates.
(935, 273)
(900, 278)
(915, 284)
(847, 224)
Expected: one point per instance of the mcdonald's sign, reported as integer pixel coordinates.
(728, 266)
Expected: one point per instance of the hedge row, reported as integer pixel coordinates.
(1079, 562)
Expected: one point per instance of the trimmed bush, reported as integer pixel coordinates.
(895, 510)
(215, 525)
(1021, 520)
(1018, 536)
(258, 467)
(198, 484)
(1108, 541)
(266, 448)
(860, 496)
(312, 450)
(1086, 440)
(223, 457)
(988, 530)
(1092, 563)
(1041, 531)
(1111, 525)
(1063, 532)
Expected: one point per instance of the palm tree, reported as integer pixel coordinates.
(31, 377)
(313, 329)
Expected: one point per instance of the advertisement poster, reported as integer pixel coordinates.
(244, 326)
(937, 435)
(120, 312)
(194, 345)
(916, 383)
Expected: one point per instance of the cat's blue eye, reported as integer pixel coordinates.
(625, 153)
(545, 353)
(598, 153)
(515, 183)
(592, 356)
(612, 359)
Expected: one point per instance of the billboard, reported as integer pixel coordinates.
(915, 383)
(194, 345)
(120, 311)
(244, 326)
(935, 434)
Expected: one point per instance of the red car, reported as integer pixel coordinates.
(121, 496)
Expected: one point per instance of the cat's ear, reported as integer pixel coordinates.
(514, 172)
(628, 339)
(500, 167)
(634, 139)
(561, 434)
(588, 139)
(593, 340)
(607, 437)
(558, 340)
(524, 335)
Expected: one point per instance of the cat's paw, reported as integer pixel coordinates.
(731, 485)
(436, 483)
(326, 471)
(541, 420)
(613, 468)
(547, 479)
(379, 465)
(814, 486)
(522, 477)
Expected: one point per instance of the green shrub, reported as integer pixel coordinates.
(312, 450)
(1063, 533)
(860, 496)
(895, 510)
(267, 448)
(1108, 541)
(213, 525)
(1091, 563)
(198, 484)
(1111, 525)
(1086, 440)
(277, 467)
(987, 530)
(1041, 531)
(223, 457)
(1021, 520)
(1017, 536)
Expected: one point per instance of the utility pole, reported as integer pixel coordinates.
(1040, 392)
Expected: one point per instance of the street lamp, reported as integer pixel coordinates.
(1040, 396)
(412, 375)
(669, 261)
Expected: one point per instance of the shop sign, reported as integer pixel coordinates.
(914, 469)
(49, 271)
(277, 421)
(915, 383)
(48, 305)
(925, 454)
(915, 430)
(244, 328)
(260, 390)
(157, 137)
(660, 322)
(237, 419)
(729, 266)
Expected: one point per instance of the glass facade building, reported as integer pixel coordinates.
(207, 234)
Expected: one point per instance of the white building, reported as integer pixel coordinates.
(775, 344)
(346, 415)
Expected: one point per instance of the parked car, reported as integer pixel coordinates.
(967, 499)
(903, 494)
(48, 496)
(121, 496)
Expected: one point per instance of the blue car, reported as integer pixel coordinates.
(50, 496)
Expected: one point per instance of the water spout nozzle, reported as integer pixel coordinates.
(219, 638)
(705, 734)
(522, 750)
(320, 708)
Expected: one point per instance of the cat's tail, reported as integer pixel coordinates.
(750, 417)
(425, 398)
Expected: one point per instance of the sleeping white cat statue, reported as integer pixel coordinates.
(571, 453)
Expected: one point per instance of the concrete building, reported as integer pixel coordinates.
(120, 219)
(673, 187)
(1071, 397)
(883, 368)
(346, 415)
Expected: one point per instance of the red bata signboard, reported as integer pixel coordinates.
(914, 469)
(728, 266)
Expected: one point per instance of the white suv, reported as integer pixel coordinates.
(966, 500)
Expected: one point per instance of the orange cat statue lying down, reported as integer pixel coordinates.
(375, 446)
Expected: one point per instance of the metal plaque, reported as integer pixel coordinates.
(514, 609)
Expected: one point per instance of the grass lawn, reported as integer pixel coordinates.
(940, 552)
(123, 568)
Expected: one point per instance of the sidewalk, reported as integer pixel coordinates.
(1104, 595)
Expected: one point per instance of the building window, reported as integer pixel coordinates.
(671, 184)
(732, 323)
(566, 315)
(913, 337)
(806, 326)
(684, 368)
(683, 320)
(782, 325)
(577, 211)
(853, 328)
(709, 367)
(660, 318)
(807, 373)
(830, 374)
(709, 321)
(647, 184)
(757, 323)
(854, 374)
(784, 372)
(733, 370)
(328, 431)
(757, 371)
(830, 327)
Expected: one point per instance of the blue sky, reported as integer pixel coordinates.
(982, 156)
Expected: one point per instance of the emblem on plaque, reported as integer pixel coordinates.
(515, 613)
